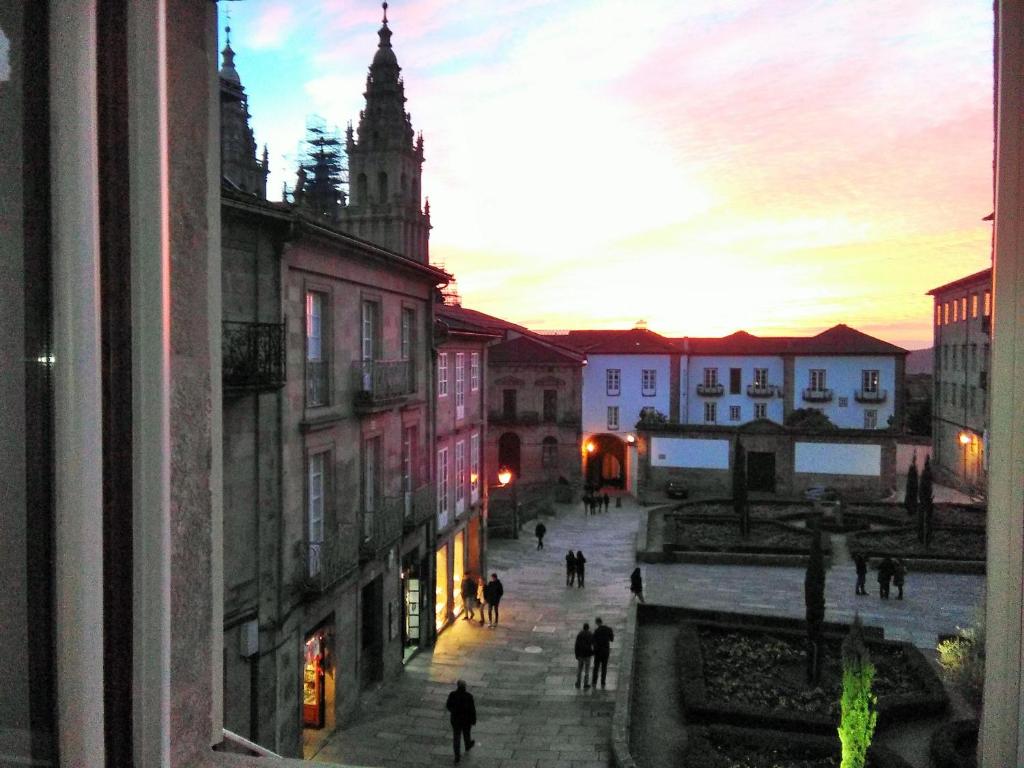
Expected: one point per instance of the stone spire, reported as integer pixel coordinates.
(239, 165)
(385, 162)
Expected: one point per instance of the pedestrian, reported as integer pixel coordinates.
(606, 501)
(861, 564)
(539, 532)
(570, 568)
(492, 594)
(899, 573)
(603, 638)
(463, 718)
(581, 565)
(480, 598)
(885, 569)
(586, 503)
(636, 585)
(584, 650)
(469, 596)
(593, 504)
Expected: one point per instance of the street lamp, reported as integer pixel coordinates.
(965, 440)
(505, 478)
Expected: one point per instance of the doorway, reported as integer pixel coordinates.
(412, 590)
(508, 453)
(371, 670)
(761, 471)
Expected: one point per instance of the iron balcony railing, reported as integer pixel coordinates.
(317, 388)
(815, 395)
(377, 381)
(761, 390)
(418, 506)
(870, 396)
(382, 526)
(252, 355)
(710, 390)
(328, 562)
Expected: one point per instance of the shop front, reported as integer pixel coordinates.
(458, 572)
(318, 677)
(413, 579)
(441, 588)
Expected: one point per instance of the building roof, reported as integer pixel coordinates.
(531, 349)
(838, 340)
(738, 343)
(983, 276)
(480, 320)
(636, 341)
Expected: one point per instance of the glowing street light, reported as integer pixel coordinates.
(504, 476)
(965, 439)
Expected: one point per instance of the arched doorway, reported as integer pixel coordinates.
(508, 453)
(606, 463)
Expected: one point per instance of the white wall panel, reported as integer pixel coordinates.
(838, 459)
(689, 453)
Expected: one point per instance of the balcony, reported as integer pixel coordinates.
(382, 527)
(816, 395)
(418, 507)
(710, 390)
(870, 395)
(381, 383)
(761, 390)
(317, 388)
(252, 356)
(327, 563)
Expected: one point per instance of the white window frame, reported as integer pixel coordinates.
(870, 380)
(870, 418)
(818, 379)
(460, 477)
(760, 410)
(474, 468)
(649, 382)
(613, 382)
(613, 418)
(368, 336)
(315, 493)
(734, 413)
(710, 377)
(710, 412)
(474, 371)
(407, 326)
(460, 385)
(760, 378)
(314, 326)
(442, 374)
(442, 487)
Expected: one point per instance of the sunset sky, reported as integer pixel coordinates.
(764, 165)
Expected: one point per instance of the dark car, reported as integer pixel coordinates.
(676, 489)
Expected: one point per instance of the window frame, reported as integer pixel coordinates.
(711, 377)
(870, 380)
(613, 382)
(442, 374)
(735, 413)
(710, 412)
(760, 378)
(649, 382)
(870, 418)
(442, 486)
(760, 411)
(818, 379)
(735, 381)
(460, 385)
(613, 418)
(474, 371)
(460, 477)
(474, 468)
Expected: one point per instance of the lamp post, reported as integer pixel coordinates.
(965, 440)
(505, 478)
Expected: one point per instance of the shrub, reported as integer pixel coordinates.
(962, 659)
(810, 419)
(857, 705)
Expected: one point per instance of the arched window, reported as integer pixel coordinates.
(362, 189)
(549, 452)
(382, 187)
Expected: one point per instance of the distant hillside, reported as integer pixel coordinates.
(920, 361)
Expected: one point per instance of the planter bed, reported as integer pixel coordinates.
(726, 747)
(943, 514)
(947, 544)
(752, 676)
(705, 535)
(955, 745)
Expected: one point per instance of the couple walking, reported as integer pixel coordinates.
(575, 568)
(491, 593)
(594, 646)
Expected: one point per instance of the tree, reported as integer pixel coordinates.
(857, 705)
(810, 419)
(814, 600)
(925, 504)
(910, 497)
(739, 488)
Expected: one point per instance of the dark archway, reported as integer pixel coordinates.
(508, 453)
(606, 464)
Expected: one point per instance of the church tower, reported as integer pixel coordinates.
(239, 167)
(385, 163)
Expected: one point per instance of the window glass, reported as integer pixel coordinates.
(612, 380)
(613, 417)
(735, 378)
(734, 413)
(710, 412)
(442, 374)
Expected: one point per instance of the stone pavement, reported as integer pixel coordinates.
(522, 673)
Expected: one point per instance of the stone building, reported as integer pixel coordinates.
(962, 361)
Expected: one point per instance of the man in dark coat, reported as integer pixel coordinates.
(581, 568)
(469, 596)
(570, 568)
(899, 574)
(463, 708)
(885, 571)
(492, 594)
(539, 532)
(606, 501)
(861, 564)
(603, 638)
(584, 650)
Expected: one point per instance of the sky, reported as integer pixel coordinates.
(765, 165)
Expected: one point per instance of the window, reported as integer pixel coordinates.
(369, 346)
(963, 308)
(963, 395)
(955, 312)
(760, 378)
(408, 323)
(508, 404)
(974, 395)
(549, 453)
(474, 372)
(734, 413)
(442, 374)
(474, 468)
(550, 405)
(613, 417)
(710, 412)
(460, 385)
(315, 509)
(869, 381)
(316, 368)
(817, 379)
(408, 459)
(974, 305)
(945, 356)
(760, 410)
(735, 379)
(649, 382)
(844, 402)
(442, 487)
(988, 303)
(938, 315)
(710, 377)
(612, 378)
(870, 418)
(945, 313)
(460, 476)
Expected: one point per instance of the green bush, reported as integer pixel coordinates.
(859, 717)
(962, 659)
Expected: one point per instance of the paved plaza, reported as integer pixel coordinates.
(522, 673)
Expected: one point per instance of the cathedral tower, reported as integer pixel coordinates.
(238, 164)
(385, 163)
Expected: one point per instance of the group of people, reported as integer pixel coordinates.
(593, 502)
(593, 646)
(476, 593)
(575, 568)
(890, 571)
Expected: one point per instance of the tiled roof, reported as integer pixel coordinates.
(531, 349)
(978, 277)
(838, 340)
(471, 317)
(635, 341)
(843, 340)
(738, 343)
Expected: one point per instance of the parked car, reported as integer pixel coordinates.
(676, 489)
(821, 493)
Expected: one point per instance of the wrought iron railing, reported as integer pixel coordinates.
(382, 526)
(252, 355)
(710, 390)
(327, 563)
(761, 390)
(378, 380)
(870, 396)
(317, 387)
(418, 506)
(815, 395)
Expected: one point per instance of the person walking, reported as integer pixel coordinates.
(539, 532)
(606, 501)
(492, 594)
(584, 650)
(603, 638)
(570, 568)
(463, 717)
(899, 573)
(586, 503)
(469, 596)
(861, 564)
(885, 569)
(636, 584)
(581, 565)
